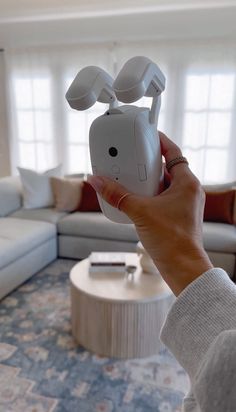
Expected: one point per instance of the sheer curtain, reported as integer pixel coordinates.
(197, 109)
(44, 130)
(199, 101)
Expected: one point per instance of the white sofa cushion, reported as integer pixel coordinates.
(45, 214)
(10, 195)
(221, 187)
(18, 237)
(219, 237)
(96, 225)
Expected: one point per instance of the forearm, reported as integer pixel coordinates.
(204, 309)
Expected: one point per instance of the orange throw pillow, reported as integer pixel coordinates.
(89, 200)
(219, 207)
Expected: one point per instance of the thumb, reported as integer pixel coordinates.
(117, 195)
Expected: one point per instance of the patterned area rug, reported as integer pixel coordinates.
(43, 370)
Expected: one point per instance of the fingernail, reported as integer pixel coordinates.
(96, 182)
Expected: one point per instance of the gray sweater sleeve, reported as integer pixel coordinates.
(200, 330)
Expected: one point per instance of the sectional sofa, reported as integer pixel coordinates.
(32, 238)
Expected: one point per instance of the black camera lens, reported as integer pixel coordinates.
(113, 152)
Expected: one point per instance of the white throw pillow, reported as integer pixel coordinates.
(37, 192)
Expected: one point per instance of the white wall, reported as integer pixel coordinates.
(4, 144)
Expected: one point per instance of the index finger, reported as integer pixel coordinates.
(170, 151)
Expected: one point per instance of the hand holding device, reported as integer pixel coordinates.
(124, 142)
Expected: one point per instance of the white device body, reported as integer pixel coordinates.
(124, 142)
(138, 163)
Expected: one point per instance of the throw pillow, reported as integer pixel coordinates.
(222, 187)
(67, 193)
(219, 207)
(89, 200)
(37, 192)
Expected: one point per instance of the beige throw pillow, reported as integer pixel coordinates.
(67, 193)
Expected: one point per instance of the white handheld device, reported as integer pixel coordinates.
(124, 142)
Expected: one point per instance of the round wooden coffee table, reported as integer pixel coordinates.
(118, 316)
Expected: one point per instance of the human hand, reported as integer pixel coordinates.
(169, 225)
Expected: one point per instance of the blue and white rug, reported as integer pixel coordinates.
(43, 370)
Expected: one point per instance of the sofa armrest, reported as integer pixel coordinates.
(10, 195)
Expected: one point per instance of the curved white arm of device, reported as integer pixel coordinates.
(139, 77)
(90, 85)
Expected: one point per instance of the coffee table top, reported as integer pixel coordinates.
(117, 286)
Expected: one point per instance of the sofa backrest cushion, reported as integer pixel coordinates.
(10, 195)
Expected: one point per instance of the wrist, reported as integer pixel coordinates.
(183, 268)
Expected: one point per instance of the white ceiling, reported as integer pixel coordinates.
(22, 9)
(27, 22)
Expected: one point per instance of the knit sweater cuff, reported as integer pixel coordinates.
(201, 312)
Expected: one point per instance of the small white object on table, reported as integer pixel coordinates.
(146, 261)
(116, 315)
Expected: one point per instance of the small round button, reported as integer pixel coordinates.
(115, 169)
(113, 151)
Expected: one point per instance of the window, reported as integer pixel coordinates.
(207, 128)
(34, 122)
(78, 125)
